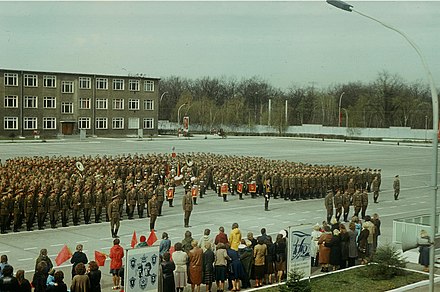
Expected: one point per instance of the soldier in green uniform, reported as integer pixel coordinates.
(131, 201)
(346, 205)
(141, 201)
(187, 205)
(357, 202)
(375, 187)
(98, 201)
(53, 209)
(338, 205)
(4, 211)
(30, 211)
(364, 203)
(87, 204)
(76, 207)
(65, 207)
(328, 203)
(396, 187)
(153, 210)
(114, 215)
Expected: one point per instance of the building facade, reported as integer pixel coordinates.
(53, 103)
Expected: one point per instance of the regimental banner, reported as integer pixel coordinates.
(224, 188)
(142, 269)
(252, 187)
(299, 250)
(170, 193)
(194, 191)
(185, 124)
(240, 187)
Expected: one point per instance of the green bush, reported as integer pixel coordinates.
(295, 284)
(387, 263)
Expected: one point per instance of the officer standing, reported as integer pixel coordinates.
(364, 203)
(114, 215)
(396, 187)
(53, 209)
(375, 186)
(338, 205)
(65, 206)
(328, 203)
(153, 210)
(357, 202)
(187, 205)
(346, 205)
(267, 193)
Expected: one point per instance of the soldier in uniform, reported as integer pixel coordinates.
(108, 200)
(328, 203)
(17, 212)
(396, 187)
(276, 184)
(41, 210)
(65, 207)
(30, 211)
(76, 207)
(364, 203)
(53, 209)
(131, 201)
(357, 202)
(97, 204)
(375, 187)
(87, 205)
(115, 216)
(170, 192)
(141, 201)
(346, 205)
(338, 205)
(267, 193)
(4, 212)
(153, 210)
(187, 205)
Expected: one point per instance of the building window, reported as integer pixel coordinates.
(101, 123)
(149, 85)
(10, 123)
(148, 123)
(49, 123)
(11, 101)
(102, 83)
(30, 80)
(67, 86)
(134, 85)
(11, 79)
(118, 123)
(49, 102)
(84, 123)
(133, 123)
(67, 108)
(50, 81)
(118, 104)
(133, 104)
(118, 84)
(84, 82)
(84, 103)
(149, 104)
(30, 123)
(30, 102)
(101, 103)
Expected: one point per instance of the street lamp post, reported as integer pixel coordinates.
(340, 102)
(434, 96)
(160, 102)
(346, 117)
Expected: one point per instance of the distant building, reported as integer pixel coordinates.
(53, 103)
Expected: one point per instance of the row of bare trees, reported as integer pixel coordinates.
(212, 102)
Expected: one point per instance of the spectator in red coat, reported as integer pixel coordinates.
(116, 255)
(221, 237)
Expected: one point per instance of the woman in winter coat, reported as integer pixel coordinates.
(168, 267)
(235, 269)
(314, 247)
(247, 260)
(345, 240)
(335, 249)
(94, 275)
(180, 259)
(324, 251)
(352, 246)
(363, 243)
(81, 282)
(235, 237)
(280, 256)
(208, 265)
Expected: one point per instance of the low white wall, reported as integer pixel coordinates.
(308, 129)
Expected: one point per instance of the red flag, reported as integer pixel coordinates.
(152, 238)
(134, 240)
(63, 255)
(100, 258)
(171, 251)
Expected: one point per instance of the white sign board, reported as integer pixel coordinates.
(299, 250)
(141, 269)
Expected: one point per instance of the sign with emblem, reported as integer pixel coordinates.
(240, 187)
(224, 188)
(252, 187)
(194, 191)
(298, 250)
(142, 269)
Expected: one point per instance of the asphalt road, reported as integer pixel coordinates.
(411, 161)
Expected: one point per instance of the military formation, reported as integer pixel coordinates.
(58, 191)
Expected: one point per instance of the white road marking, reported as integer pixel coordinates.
(30, 248)
(4, 251)
(305, 212)
(27, 259)
(58, 244)
(82, 241)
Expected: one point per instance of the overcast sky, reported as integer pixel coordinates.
(285, 43)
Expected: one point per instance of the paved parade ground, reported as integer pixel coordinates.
(411, 161)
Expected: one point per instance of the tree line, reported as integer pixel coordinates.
(388, 101)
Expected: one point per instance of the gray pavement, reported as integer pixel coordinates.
(411, 161)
